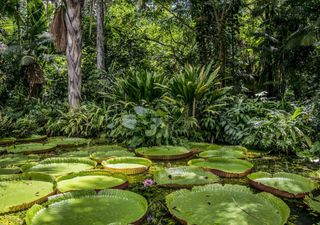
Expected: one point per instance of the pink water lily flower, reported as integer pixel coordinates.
(148, 182)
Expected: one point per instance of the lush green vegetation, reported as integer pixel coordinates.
(90, 89)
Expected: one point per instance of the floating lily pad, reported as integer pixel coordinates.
(282, 184)
(7, 141)
(32, 148)
(65, 142)
(313, 203)
(76, 154)
(202, 146)
(104, 155)
(224, 167)
(226, 205)
(3, 149)
(18, 192)
(315, 174)
(17, 159)
(98, 148)
(62, 166)
(32, 138)
(91, 180)
(221, 153)
(164, 152)
(109, 206)
(127, 165)
(184, 176)
(10, 170)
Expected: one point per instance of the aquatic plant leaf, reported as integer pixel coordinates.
(127, 165)
(31, 148)
(164, 152)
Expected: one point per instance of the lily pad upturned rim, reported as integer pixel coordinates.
(31, 148)
(143, 152)
(283, 193)
(219, 153)
(233, 188)
(145, 164)
(32, 138)
(29, 176)
(183, 168)
(220, 172)
(7, 141)
(68, 142)
(108, 193)
(110, 154)
(124, 185)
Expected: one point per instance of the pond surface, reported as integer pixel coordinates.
(158, 214)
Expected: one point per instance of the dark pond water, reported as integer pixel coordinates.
(158, 214)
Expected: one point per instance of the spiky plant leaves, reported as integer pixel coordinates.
(18, 192)
(184, 176)
(313, 203)
(110, 206)
(127, 165)
(91, 180)
(283, 184)
(224, 167)
(104, 155)
(164, 152)
(32, 148)
(228, 204)
(65, 142)
(62, 166)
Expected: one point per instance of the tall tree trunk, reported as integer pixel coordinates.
(100, 35)
(73, 52)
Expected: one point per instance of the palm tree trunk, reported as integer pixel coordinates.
(73, 52)
(100, 35)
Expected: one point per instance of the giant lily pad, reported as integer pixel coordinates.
(127, 165)
(91, 180)
(224, 167)
(98, 148)
(110, 206)
(202, 146)
(17, 159)
(221, 153)
(62, 166)
(76, 154)
(313, 203)
(104, 155)
(164, 152)
(315, 174)
(18, 192)
(226, 205)
(184, 176)
(32, 138)
(282, 184)
(10, 170)
(32, 148)
(65, 142)
(7, 141)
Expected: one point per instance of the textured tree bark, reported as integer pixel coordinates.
(100, 35)
(73, 52)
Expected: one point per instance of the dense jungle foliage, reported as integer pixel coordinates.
(241, 72)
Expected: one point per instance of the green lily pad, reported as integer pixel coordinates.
(3, 149)
(282, 184)
(62, 166)
(164, 152)
(32, 138)
(18, 192)
(224, 167)
(313, 203)
(104, 155)
(76, 154)
(226, 205)
(17, 159)
(223, 154)
(127, 165)
(110, 206)
(91, 180)
(98, 148)
(64, 142)
(7, 141)
(315, 174)
(202, 146)
(184, 176)
(32, 148)
(10, 170)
